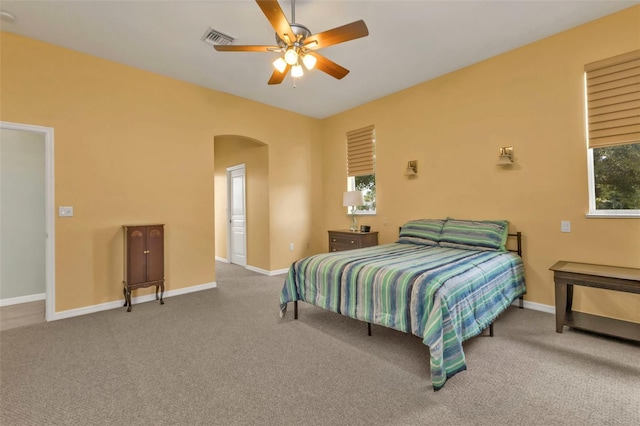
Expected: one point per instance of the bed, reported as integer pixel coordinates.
(444, 280)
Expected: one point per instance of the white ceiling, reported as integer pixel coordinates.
(409, 41)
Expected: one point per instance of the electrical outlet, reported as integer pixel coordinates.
(290, 246)
(65, 211)
(565, 226)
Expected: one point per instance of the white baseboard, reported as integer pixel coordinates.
(265, 272)
(258, 270)
(23, 299)
(536, 306)
(134, 300)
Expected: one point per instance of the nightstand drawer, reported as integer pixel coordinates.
(342, 247)
(342, 240)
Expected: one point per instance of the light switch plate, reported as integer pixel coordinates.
(65, 211)
(565, 226)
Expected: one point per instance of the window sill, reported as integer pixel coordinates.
(365, 213)
(608, 215)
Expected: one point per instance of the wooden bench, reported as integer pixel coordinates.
(567, 274)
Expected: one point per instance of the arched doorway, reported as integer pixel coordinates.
(231, 151)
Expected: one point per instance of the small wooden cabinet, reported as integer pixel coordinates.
(143, 260)
(344, 239)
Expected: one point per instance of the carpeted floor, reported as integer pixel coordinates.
(223, 357)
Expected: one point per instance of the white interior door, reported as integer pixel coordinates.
(237, 215)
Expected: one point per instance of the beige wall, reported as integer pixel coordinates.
(134, 147)
(531, 98)
(232, 151)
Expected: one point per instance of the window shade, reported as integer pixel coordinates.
(613, 100)
(360, 152)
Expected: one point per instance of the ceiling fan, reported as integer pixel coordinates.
(297, 43)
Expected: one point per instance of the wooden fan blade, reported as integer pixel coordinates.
(275, 15)
(277, 76)
(327, 65)
(337, 35)
(245, 48)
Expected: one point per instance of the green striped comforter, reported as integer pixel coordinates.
(442, 295)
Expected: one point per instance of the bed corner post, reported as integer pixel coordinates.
(519, 237)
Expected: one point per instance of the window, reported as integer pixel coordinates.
(361, 162)
(612, 90)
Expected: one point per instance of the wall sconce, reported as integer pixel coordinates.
(412, 168)
(506, 156)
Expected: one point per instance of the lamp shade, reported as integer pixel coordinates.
(504, 160)
(280, 64)
(410, 172)
(291, 56)
(309, 61)
(296, 71)
(353, 198)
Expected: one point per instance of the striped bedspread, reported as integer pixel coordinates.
(442, 295)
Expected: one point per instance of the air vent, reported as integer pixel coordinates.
(216, 37)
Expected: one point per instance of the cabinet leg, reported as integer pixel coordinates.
(128, 299)
(161, 293)
(124, 291)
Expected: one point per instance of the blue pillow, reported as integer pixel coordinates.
(475, 234)
(422, 231)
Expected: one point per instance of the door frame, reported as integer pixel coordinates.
(50, 245)
(244, 194)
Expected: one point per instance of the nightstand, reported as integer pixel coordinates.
(344, 239)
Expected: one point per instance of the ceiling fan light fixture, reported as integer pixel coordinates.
(295, 42)
(280, 64)
(296, 71)
(309, 61)
(291, 56)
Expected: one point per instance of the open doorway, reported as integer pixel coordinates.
(231, 152)
(27, 241)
